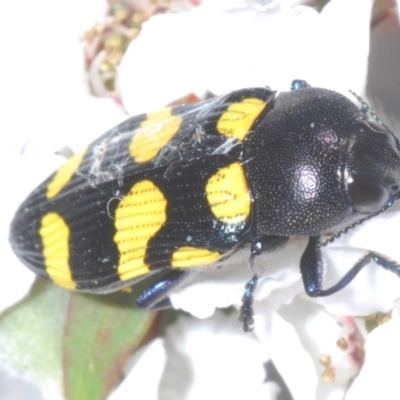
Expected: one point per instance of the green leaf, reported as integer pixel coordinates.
(101, 333)
(31, 334)
(72, 345)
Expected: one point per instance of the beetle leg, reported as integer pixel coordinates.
(312, 269)
(386, 262)
(155, 297)
(263, 244)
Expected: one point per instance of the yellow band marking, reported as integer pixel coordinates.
(55, 236)
(154, 133)
(64, 175)
(138, 217)
(228, 194)
(239, 118)
(187, 256)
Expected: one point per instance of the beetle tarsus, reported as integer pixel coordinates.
(266, 243)
(246, 310)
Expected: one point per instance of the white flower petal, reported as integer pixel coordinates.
(343, 46)
(379, 376)
(13, 387)
(290, 358)
(145, 376)
(299, 336)
(213, 359)
(398, 8)
(225, 286)
(203, 50)
(43, 84)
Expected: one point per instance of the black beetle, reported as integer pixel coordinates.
(190, 185)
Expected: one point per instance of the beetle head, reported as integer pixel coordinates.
(372, 173)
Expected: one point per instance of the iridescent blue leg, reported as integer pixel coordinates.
(311, 267)
(156, 296)
(261, 245)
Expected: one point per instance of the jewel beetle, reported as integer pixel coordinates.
(190, 185)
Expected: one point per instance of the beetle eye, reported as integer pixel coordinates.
(366, 194)
(373, 127)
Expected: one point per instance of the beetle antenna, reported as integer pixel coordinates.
(343, 231)
(366, 108)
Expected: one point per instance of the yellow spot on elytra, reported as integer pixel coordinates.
(239, 118)
(55, 238)
(228, 194)
(138, 217)
(187, 256)
(64, 175)
(154, 132)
